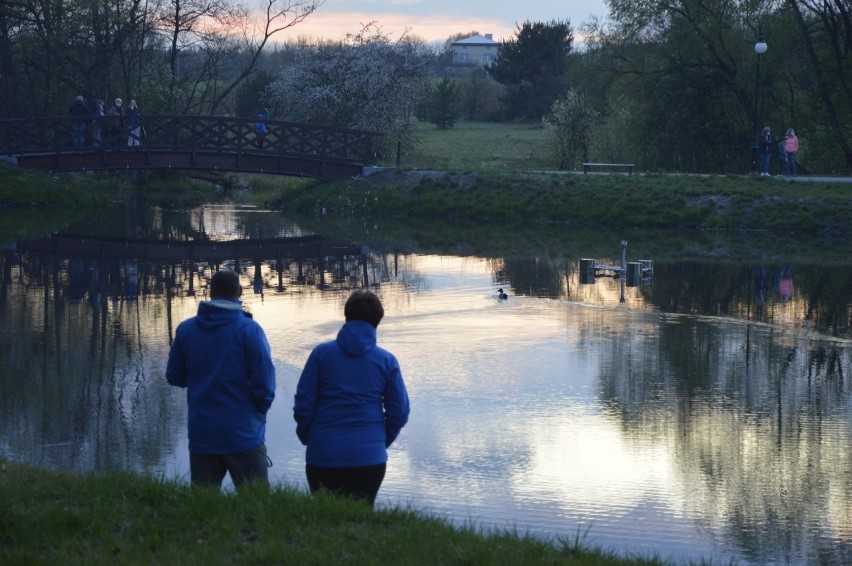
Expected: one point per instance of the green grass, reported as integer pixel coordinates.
(61, 518)
(617, 201)
(490, 172)
(33, 203)
(478, 147)
(475, 172)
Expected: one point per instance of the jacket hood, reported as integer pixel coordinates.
(357, 338)
(218, 312)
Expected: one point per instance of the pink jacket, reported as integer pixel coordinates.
(791, 144)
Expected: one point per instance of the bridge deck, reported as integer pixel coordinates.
(187, 142)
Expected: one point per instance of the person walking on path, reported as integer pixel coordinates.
(222, 357)
(134, 122)
(78, 109)
(350, 405)
(791, 148)
(766, 148)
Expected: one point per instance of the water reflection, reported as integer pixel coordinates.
(708, 415)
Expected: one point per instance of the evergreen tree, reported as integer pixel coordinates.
(444, 104)
(533, 67)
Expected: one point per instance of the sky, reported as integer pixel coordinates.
(436, 20)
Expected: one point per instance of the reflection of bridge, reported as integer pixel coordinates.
(188, 142)
(210, 251)
(175, 266)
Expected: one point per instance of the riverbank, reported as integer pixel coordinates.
(649, 201)
(34, 203)
(62, 518)
(710, 203)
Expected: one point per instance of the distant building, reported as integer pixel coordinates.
(475, 50)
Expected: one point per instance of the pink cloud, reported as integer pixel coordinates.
(434, 28)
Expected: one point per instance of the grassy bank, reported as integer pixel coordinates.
(499, 173)
(49, 517)
(33, 203)
(475, 172)
(647, 201)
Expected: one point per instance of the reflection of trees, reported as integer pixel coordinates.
(828, 298)
(532, 276)
(821, 300)
(82, 386)
(758, 419)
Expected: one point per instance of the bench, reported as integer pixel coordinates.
(608, 166)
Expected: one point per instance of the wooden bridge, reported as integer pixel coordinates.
(186, 143)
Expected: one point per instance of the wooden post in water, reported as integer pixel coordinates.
(587, 271)
(634, 274)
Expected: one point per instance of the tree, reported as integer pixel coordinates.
(688, 72)
(478, 92)
(224, 38)
(686, 69)
(251, 98)
(175, 55)
(366, 82)
(826, 30)
(442, 104)
(569, 127)
(533, 67)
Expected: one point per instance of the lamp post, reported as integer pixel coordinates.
(760, 48)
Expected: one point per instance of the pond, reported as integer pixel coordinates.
(703, 410)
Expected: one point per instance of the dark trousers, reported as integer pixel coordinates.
(79, 129)
(244, 467)
(791, 164)
(361, 483)
(764, 162)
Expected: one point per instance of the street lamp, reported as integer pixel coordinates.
(760, 48)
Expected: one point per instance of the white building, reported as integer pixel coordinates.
(475, 50)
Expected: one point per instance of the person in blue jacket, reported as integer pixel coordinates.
(260, 127)
(350, 405)
(222, 357)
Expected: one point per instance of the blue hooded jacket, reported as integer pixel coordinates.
(351, 402)
(223, 359)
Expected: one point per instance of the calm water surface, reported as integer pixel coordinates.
(708, 415)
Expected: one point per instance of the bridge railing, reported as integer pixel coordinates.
(170, 133)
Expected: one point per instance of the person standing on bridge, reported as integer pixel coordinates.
(79, 109)
(260, 127)
(98, 123)
(222, 357)
(134, 122)
(116, 123)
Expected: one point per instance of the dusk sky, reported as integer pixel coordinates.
(435, 20)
